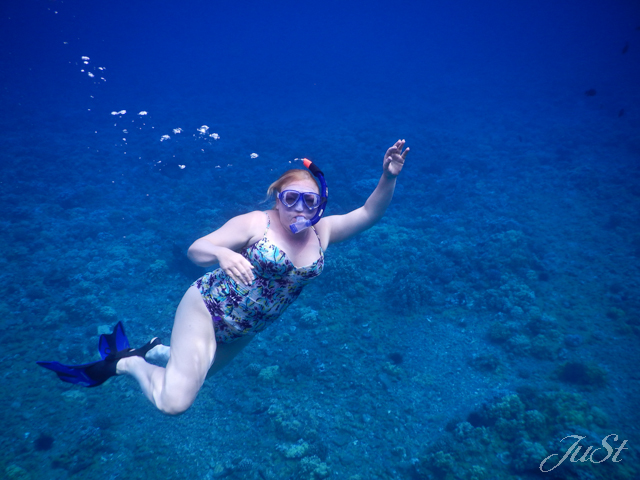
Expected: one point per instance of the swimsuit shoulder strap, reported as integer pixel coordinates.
(318, 237)
(268, 223)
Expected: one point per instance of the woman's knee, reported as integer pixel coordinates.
(175, 404)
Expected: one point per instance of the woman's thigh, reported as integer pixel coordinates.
(193, 348)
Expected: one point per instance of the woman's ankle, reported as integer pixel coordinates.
(126, 364)
(159, 353)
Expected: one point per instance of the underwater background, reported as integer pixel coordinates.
(493, 311)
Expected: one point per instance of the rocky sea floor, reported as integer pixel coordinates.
(491, 313)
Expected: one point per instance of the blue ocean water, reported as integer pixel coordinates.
(492, 312)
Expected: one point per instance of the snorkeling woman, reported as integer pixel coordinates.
(265, 259)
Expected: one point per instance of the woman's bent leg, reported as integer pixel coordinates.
(193, 346)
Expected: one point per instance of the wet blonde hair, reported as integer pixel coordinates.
(295, 174)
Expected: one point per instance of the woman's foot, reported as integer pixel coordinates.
(156, 353)
(117, 358)
(159, 353)
(125, 364)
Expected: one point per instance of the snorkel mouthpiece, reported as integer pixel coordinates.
(302, 223)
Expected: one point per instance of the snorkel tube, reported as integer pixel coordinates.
(301, 224)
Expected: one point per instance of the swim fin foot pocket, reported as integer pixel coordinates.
(112, 347)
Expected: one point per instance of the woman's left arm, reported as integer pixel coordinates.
(341, 227)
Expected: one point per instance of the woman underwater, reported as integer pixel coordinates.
(255, 282)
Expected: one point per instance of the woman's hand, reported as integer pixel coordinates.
(236, 266)
(394, 160)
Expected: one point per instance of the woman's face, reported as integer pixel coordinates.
(288, 215)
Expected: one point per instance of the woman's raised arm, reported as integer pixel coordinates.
(338, 228)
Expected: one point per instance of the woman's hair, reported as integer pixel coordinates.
(295, 174)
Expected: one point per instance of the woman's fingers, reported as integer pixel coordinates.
(395, 157)
(395, 149)
(248, 277)
(242, 275)
(247, 273)
(238, 268)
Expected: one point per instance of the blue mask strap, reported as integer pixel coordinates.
(324, 195)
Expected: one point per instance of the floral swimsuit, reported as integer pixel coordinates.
(238, 310)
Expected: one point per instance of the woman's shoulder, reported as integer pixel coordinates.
(256, 216)
(255, 223)
(251, 218)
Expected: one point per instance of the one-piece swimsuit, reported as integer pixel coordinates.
(238, 310)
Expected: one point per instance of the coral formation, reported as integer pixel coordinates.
(520, 431)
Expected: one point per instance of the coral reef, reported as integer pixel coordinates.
(515, 433)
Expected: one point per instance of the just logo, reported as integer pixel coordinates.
(588, 454)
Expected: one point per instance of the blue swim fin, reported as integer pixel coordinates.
(95, 373)
(82, 375)
(112, 347)
(114, 342)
